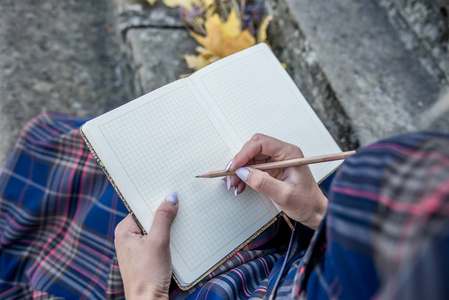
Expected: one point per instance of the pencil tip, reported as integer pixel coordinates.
(197, 176)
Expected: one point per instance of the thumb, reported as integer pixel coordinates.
(261, 182)
(163, 218)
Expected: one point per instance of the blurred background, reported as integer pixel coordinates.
(370, 69)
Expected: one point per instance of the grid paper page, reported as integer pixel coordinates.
(162, 145)
(253, 102)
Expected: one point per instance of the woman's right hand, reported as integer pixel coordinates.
(294, 189)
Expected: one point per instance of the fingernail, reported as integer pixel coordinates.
(235, 192)
(223, 178)
(242, 173)
(228, 182)
(172, 198)
(228, 165)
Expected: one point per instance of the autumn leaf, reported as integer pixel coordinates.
(152, 2)
(224, 39)
(187, 3)
(196, 61)
(262, 32)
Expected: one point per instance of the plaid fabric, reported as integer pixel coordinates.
(386, 234)
(57, 217)
(253, 274)
(58, 214)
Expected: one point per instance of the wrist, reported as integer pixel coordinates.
(318, 214)
(311, 213)
(145, 293)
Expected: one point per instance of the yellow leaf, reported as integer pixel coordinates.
(187, 3)
(232, 26)
(206, 53)
(175, 3)
(223, 39)
(213, 39)
(231, 46)
(152, 2)
(195, 62)
(262, 34)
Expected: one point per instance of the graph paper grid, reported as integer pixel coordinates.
(161, 154)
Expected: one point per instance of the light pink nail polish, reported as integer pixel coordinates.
(242, 173)
(228, 182)
(172, 198)
(228, 165)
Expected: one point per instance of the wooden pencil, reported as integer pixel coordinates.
(284, 164)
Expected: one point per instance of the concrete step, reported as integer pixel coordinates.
(425, 23)
(350, 62)
(349, 59)
(154, 40)
(58, 56)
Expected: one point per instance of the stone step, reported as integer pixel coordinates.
(347, 58)
(424, 22)
(155, 40)
(353, 67)
(56, 56)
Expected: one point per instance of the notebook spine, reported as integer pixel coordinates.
(108, 176)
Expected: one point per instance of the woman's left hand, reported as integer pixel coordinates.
(144, 260)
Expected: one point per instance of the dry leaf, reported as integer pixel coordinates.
(224, 39)
(152, 2)
(196, 62)
(262, 31)
(187, 3)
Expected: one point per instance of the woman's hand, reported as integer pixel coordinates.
(144, 260)
(294, 189)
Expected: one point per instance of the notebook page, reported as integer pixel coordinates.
(157, 144)
(259, 96)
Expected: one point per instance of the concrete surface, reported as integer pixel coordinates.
(59, 56)
(428, 21)
(352, 65)
(156, 56)
(370, 69)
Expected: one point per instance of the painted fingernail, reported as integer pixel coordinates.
(242, 173)
(228, 182)
(235, 192)
(223, 178)
(172, 198)
(228, 165)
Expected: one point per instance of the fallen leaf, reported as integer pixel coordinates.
(152, 2)
(262, 33)
(187, 3)
(195, 62)
(224, 39)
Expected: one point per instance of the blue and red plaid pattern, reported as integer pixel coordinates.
(385, 235)
(58, 213)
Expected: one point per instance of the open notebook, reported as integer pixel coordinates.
(160, 141)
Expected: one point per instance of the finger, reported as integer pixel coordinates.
(262, 147)
(240, 187)
(263, 182)
(235, 180)
(163, 218)
(127, 225)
